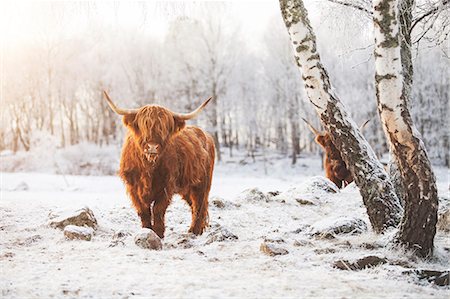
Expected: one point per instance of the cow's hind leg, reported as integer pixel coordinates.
(199, 199)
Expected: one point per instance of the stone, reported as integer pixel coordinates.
(73, 232)
(272, 250)
(362, 263)
(273, 193)
(274, 240)
(298, 195)
(253, 195)
(319, 183)
(218, 202)
(82, 217)
(304, 201)
(148, 239)
(221, 234)
(329, 228)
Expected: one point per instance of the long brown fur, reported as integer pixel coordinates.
(183, 165)
(335, 167)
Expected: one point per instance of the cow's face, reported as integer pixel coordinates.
(324, 140)
(152, 126)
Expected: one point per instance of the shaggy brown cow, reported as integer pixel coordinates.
(161, 156)
(335, 167)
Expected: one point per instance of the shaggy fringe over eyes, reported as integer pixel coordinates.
(155, 124)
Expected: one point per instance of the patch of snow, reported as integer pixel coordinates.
(37, 261)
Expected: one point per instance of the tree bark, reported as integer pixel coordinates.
(421, 202)
(405, 8)
(376, 189)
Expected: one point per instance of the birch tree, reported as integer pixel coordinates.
(419, 184)
(376, 189)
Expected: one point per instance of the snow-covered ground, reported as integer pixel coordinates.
(38, 262)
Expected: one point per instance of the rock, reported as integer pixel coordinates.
(321, 184)
(218, 202)
(148, 239)
(439, 278)
(253, 195)
(272, 250)
(73, 232)
(297, 195)
(363, 263)
(328, 228)
(444, 221)
(273, 193)
(221, 234)
(304, 201)
(274, 240)
(82, 217)
(22, 186)
(221, 203)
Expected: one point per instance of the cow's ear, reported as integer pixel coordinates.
(130, 121)
(179, 123)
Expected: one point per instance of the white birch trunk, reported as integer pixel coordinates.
(421, 202)
(376, 189)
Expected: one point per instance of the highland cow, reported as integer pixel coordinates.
(335, 167)
(161, 156)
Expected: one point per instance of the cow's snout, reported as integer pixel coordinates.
(151, 152)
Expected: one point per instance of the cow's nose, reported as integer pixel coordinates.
(152, 149)
(151, 152)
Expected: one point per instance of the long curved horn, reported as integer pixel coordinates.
(363, 126)
(314, 130)
(117, 110)
(193, 114)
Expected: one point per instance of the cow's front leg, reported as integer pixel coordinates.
(159, 212)
(146, 217)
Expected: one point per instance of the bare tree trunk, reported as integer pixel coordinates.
(376, 189)
(421, 202)
(405, 8)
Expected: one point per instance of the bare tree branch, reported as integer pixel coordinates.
(428, 13)
(352, 5)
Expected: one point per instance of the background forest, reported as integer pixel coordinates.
(177, 55)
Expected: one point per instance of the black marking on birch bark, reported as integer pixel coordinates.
(297, 60)
(302, 48)
(313, 57)
(305, 78)
(386, 19)
(315, 105)
(385, 107)
(378, 78)
(306, 39)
